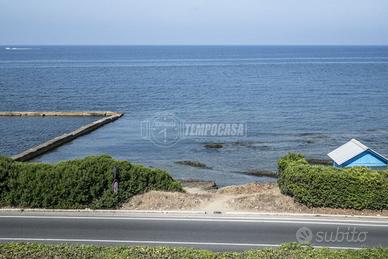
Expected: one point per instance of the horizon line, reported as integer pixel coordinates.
(198, 45)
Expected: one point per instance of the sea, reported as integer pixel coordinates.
(307, 99)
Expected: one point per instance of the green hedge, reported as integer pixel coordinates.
(82, 183)
(326, 186)
(289, 251)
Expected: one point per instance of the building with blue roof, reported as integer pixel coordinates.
(354, 153)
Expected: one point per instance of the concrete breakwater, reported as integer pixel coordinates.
(67, 137)
(70, 114)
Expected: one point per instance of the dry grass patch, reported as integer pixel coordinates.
(250, 188)
(156, 200)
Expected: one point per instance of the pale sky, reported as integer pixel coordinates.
(192, 22)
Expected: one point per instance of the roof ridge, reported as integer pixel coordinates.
(358, 143)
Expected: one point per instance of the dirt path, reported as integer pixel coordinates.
(218, 204)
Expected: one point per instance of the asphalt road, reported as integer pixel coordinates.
(199, 231)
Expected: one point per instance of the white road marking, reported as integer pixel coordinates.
(152, 242)
(240, 220)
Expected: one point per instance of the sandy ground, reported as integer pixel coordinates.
(253, 197)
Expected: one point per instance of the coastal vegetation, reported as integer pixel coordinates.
(76, 184)
(325, 186)
(290, 250)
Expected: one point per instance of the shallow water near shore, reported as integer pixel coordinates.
(21, 133)
(304, 99)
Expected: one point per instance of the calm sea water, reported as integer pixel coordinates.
(306, 99)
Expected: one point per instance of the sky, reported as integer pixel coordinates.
(194, 22)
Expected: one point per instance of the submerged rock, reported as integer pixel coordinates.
(261, 173)
(192, 164)
(201, 184)
(214, 145)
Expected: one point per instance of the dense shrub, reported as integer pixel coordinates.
(290, 158)
(77, 183)
(292, 250)
(325, 186)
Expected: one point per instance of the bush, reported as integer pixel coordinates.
(289, 158)
(325, 186)
(291, 250)
(82, 183)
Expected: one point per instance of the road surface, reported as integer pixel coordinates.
(219, 233)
